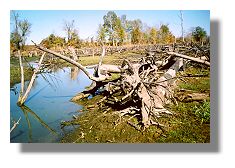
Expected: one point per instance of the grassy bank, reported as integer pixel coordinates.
(15, 75)
(189, 124)
(14, 61)
(15, 70)
(115, 59)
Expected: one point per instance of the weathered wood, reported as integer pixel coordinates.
(73, 53)
(189, 96)
(198, 60)
(79, 97)
(90, 76)
(162, 92)
(21, 76)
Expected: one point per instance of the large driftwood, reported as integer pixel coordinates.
(145, 89)
(186, 49)
(190, 96)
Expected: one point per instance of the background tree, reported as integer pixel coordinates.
(68, 28)
(53, 41)
(119, 29)
(110, 23)
(182, 26)
(136, 36)
(101, 34)
(74, 39)
(113, 29)
(199, 34)
(20, 32)
(165, 36)
(153, 35)
(135, 27)
(72, 34)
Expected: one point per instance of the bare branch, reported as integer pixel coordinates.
(15, 125)
(91, 77)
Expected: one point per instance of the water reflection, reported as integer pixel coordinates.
(49, 105)
(26, 110)
(74, 73)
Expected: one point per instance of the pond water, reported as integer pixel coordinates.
(47, 105)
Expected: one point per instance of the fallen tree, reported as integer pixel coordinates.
(143, 88)
(198, 60)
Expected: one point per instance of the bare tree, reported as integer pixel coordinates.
(182, 26)
(20, 32)
(69, 28)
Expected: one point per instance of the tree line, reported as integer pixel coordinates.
(114, 31)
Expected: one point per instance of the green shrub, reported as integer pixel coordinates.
(203, 111)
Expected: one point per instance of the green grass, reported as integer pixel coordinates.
(186, 126)
(183, 127)
(15, 70)
(15, 74)
(203, 112)
(115, 58)
(198, 84)
(14, 61)
(191, 124)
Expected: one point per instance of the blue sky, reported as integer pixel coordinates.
(45, 22)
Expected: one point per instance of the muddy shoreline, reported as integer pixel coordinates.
(99, 124)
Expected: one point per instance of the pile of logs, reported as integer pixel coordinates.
(188, 49)
(144, 87)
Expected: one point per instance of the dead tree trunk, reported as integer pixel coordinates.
(23, 98)
(112, 68)
(73, 53)
(21, 76)
(198, 60)
(150, 88)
